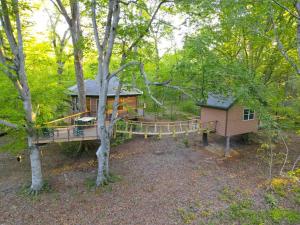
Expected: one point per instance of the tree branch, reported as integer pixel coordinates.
(115, 73)
(8, 124)
(147, 28)
(281, 47)
(285, 8)
(60, 7)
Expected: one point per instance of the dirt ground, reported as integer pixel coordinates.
(158, 177)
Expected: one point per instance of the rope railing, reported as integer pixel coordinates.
(67, 117)
(90, 132)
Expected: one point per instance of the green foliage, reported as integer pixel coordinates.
(186, 142)
(285, 215)
(271, 200)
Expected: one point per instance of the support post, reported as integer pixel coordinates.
(227, 148)
(204, 138)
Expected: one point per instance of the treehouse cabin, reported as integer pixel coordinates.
(128, 103)
(231, 117)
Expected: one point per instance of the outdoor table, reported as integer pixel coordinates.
(86, 120)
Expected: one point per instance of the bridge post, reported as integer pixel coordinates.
(227, 148)
(159, 135)
(204, 138)
(130, 131)
(146, 132)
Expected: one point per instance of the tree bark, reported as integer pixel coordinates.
(77, 41)
(297, 5)
(21, 84)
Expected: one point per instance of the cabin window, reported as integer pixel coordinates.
(248, 114)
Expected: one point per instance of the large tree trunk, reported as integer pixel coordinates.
(77, 41)
(297, 5)
(78, 55)
(35, 161)
(36, 168)
(101, 165)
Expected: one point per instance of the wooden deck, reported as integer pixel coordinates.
(90, 132)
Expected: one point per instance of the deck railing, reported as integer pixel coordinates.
(90, 132)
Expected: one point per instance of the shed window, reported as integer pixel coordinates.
(248, 114)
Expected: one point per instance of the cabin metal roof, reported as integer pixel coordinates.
(218, 101)
(92, 88)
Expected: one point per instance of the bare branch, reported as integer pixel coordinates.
(115, 73)
(147, 28)
(286, 154)
(8, 124)
(148, 83)
(60, 7)
(281, 47)
(108, 23)
(95, 27)
(5, 20)
(296, 162)
(129, 2)
(114, 115)
(113, 30)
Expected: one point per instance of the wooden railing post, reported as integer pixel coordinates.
(199, 127)
(130, 131)
(68, 134)
(159, 135)
(174, 131)
(115, 131)
(146, 131)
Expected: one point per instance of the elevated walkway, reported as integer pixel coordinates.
(67, 133)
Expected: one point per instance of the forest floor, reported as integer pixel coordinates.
(160, 182)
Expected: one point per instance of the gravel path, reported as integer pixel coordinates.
(158, 177)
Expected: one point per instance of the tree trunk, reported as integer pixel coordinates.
(297, 5)
(101, 165)
(36, 168)
(35, 160)
(78, 69)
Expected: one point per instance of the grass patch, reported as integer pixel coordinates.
(227, 194)
(26, 192)
(90, 183)
(244, 212)
(271, 200)
(187, 216)
(186, 143)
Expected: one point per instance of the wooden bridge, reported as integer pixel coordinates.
(66, 133)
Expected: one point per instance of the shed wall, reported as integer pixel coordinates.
(212, 114)
(236, 123)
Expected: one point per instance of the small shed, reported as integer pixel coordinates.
(128, 101)
(232, 118)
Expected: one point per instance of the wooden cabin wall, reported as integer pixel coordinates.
(212, 114)
(127, 104)
(236, 123)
